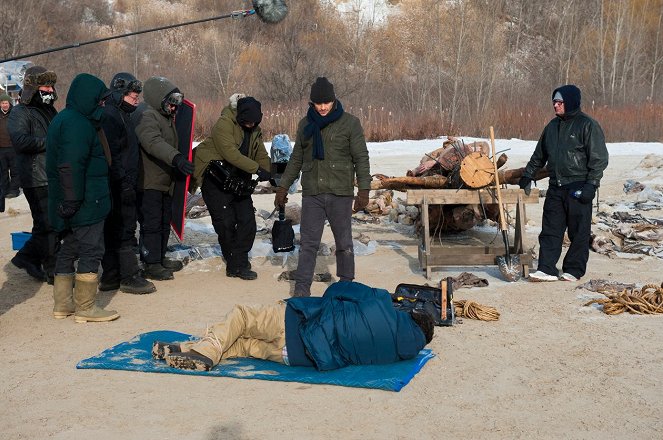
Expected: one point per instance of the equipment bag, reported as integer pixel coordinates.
(437, 302)
(283, 236)
(224, 177)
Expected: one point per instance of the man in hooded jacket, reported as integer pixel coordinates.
(78, 199)
(236, 139)
(160, 159)
(28, 124)
(120, 265)
(572, 148)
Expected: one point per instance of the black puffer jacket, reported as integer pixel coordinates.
(571, 147)
(120, 131)
(28, 125)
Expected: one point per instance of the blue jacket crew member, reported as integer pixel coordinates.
(351, 324)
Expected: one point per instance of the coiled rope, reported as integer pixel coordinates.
(645, 301)
(473, 310)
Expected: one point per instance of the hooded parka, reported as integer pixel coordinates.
(157, 135)
(76, 164)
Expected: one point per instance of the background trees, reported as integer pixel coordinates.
(413, 68)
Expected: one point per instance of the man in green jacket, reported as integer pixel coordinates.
(160, 159)
(330, 150)
(79, 199)
(572, 148)
(236, 140)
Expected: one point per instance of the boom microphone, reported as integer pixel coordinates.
(270, 11)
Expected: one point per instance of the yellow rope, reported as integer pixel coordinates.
(646, 301)
(473, 310)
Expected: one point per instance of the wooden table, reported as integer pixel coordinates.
(432, 255)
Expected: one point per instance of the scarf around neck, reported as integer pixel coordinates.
(315, 125)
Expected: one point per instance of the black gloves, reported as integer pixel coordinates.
(183, 166)
(588, 193)
(526, 184)
(263, 175)
(68, 208)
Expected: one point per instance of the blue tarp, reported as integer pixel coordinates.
(136, 355)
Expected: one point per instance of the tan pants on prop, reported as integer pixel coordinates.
(247, 331)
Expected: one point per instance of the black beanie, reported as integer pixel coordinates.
(570, 95)
(322, 91)
(249, 110)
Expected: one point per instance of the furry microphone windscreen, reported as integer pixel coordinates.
(270, 11)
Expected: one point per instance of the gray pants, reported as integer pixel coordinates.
(83, 243)
(315, 210)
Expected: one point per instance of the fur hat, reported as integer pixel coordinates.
(322, 91)
(35, 77)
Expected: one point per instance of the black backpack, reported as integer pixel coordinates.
(283, 236)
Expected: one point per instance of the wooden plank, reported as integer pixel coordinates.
(467, 196)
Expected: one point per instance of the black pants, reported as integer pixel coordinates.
(120, 237)
(40, 248)
(82, 243)
(562, 212)
(9, 180)
(234, 222)
(156, 211)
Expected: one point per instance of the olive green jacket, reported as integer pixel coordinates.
(346, 156)
(223, 144)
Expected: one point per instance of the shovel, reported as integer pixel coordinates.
(508, 264)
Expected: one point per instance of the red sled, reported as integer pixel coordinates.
(185, 118)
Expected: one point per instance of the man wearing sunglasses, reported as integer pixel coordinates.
(120, 265)
(161, 159)
(28, 124)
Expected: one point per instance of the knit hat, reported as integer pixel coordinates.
(570, 95)
(249, 110)
(35, 77)
(322, 91)
(5, 97)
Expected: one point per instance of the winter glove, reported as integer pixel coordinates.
(281, 197)
(263, 175)
(184, 166)
(526, 184)
(361, 201)
(68, 208)
(588, 193)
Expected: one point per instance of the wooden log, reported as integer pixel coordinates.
(405, 183)
(512, 176)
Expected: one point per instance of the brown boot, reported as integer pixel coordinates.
(63, 295)
(85, 293)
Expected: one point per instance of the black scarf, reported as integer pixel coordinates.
(315, 125)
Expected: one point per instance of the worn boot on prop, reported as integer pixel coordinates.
(85, 294)
(63, 295)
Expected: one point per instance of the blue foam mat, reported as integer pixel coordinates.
(136, 355)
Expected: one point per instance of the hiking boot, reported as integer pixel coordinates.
(34, 270)
(155, 271)
(171, 264)
(539, 276)
(245, 274)
(162, 349)
(189, 360)
(136, 285)
(568, 277)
